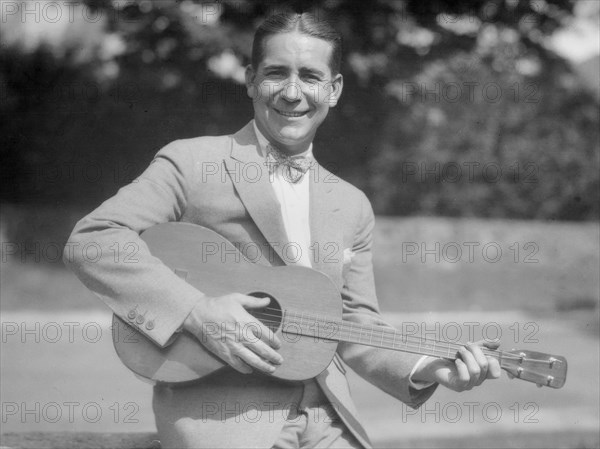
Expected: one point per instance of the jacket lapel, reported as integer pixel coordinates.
(325, 229)
(250, 176)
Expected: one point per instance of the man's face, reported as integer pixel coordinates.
(292, 89)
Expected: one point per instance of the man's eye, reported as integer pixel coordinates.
(312, 78)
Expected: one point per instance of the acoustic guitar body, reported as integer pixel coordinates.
(215, 267)
(305, 312)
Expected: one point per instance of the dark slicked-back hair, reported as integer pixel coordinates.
(304, 23)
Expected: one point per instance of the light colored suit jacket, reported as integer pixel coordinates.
(222, 183)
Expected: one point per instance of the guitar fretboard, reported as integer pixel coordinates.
(322, 328)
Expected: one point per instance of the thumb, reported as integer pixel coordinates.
(252, 302)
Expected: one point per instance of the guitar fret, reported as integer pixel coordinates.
(404, 340)
(387, 333)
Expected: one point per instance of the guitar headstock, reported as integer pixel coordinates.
(543, 369)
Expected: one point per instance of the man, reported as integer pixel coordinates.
(293, 81)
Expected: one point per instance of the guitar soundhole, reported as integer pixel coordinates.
(270, 315)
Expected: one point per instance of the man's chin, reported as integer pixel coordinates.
(292, 137)
(295, 142)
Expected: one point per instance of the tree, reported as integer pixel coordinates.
(173, 69)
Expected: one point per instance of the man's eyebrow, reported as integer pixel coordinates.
(313, 71)
(274, 67)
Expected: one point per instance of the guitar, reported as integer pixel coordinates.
(305, 312)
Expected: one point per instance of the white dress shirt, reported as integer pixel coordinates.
(294, 205)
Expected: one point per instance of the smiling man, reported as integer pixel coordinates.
(293, 84)
(294, 203)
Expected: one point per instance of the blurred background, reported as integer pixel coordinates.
(472, 126)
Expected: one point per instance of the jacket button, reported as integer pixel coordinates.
(140, 319)
(150, 325)
(131, 315)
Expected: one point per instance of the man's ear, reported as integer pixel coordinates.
(337, 85)
(250, 75)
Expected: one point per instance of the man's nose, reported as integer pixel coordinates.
(291, 89)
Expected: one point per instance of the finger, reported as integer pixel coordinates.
(491, 344)
(494, 369)
(267, 335)
(259, 329)
(253, 331)
(463, 375)
(265, 352)
(472, 366)
(254, 361)
(238, 364)
(481, 360)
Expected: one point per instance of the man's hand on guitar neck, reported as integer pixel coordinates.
(225, 328)
(470, 369)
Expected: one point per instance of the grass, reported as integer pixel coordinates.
(558, 292)
(559, 270)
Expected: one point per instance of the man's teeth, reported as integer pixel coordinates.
(291, 114)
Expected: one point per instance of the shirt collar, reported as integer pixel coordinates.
(263, 142)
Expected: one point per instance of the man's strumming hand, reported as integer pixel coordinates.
(225, 328)
(470, 368)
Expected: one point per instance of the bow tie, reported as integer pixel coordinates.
(294, 168)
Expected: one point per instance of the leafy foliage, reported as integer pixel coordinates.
(433, 85)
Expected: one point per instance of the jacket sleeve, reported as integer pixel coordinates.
(386, 369)
(107, 254)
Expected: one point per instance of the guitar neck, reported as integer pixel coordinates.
(542, 369)
(321, 328)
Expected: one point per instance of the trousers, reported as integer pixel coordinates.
(314, 423)
(240, 411)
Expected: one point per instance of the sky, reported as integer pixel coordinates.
(580, 40)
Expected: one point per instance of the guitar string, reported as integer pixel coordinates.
(443, 352)
(419, 349)
(446, 346)
(301, 316)
(343, 325)
(390, 340)
(351, 330)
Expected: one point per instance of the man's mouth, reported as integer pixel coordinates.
(291, 113)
